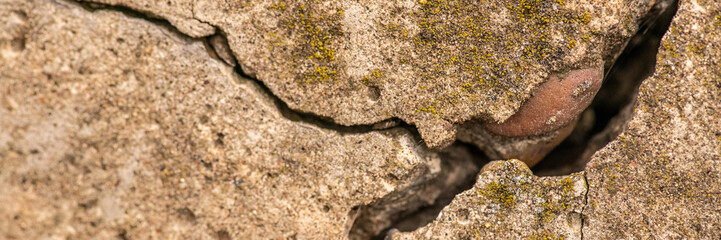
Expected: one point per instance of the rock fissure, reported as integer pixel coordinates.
(612, 107)
(585, 204)
(406, 209)
(361, 226)
(381, 218)
(120, 126)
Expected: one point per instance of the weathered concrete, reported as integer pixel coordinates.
(117, 127)
(434, 64)
(661, 178)
(508, 202)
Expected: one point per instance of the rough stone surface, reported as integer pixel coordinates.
(508, 202)
(113, 126)
(661, 178)
(116, 127)
(434, 64)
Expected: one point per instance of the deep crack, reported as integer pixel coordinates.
(460, 168)
(585, 202)
(460, 162)
(612, 107)
(637, 60)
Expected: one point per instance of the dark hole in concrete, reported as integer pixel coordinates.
(610, 110)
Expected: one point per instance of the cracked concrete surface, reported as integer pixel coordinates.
(658, 179)
(661, 176)
(509, 202)
(433, 64)
(117, 127)
(114, 126)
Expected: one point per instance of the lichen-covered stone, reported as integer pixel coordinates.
(661, 178)
(116, 127)
(508, 202)
(434, 64)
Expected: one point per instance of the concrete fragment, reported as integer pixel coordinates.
(508, 202)
(220, 46)
(433, 64)
(543, 121)
(661, 177)
(555, 104)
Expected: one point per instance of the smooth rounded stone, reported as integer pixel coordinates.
(509, 202)
(117, 127)
(542, 123)
(433, 64)
(661, 178)
(555, 104)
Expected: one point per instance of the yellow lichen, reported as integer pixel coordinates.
(499, 193)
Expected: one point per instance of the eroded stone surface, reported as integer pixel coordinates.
(508, 202)
(114, 127)
(433, 64)
(661, 178)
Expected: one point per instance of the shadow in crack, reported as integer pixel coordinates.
(417, 206)
(612, 106)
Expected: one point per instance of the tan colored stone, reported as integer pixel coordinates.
(661, 178)
(116, 127)
(508, 202)
(433, 64)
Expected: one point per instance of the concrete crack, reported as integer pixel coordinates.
(459, 173)
(585, 202)
(293, 115)
(613, 105)
(407, 208)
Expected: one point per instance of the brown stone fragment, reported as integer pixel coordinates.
(555, 103)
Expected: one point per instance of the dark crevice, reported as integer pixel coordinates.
(585, 202)
(410, 208)
(324, 122)
(461, 163)
(612, 106)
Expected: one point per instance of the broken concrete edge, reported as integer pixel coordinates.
(415, 195)
(549, 207)
(437, 133)
(189, 26)
(459, 169)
